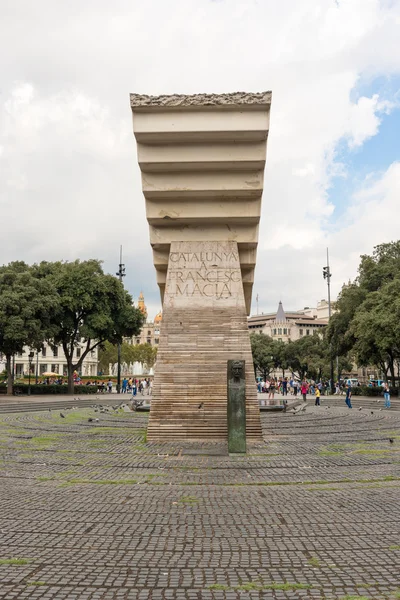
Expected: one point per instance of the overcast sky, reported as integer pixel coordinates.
(69, 180)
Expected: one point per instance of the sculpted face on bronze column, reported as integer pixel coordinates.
(237, 370)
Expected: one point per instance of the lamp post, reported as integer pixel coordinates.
(30, 358)
(326, 271)
(120, 274)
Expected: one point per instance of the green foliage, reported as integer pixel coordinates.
(27, 306)
(367, 323)
(142, 353)
(263, 350)
(92, 306)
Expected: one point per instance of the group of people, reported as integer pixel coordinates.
(292, 386)
(133, 386)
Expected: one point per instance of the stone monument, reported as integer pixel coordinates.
(236, 413)
(202, 159)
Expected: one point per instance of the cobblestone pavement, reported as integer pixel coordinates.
(90, 510)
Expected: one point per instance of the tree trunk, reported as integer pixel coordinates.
(10, 375)
(392, 375)
(70, 378)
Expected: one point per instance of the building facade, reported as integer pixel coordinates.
(52, 359)
(150, 333)
(289, 326)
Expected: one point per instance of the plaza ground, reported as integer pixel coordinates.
(91, 510)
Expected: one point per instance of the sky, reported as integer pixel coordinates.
(69, 180)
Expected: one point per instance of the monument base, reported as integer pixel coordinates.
(204, 325)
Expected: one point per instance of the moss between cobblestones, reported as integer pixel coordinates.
(14, 561)
(394, 547)
(248, 587)
(314, 562)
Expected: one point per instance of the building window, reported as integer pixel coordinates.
(55, 352)
(274, 331)
(157, 341)
(78, 353)
(54, 368)
(93, 353)
(279, 331)
(43, 369)
(148, 332)
(43, 351)
(149, 340)
(138, 340)
(300, 332)
(284, 331)
(19, 369)
(308, 332)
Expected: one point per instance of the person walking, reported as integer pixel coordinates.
(386, 395)
(295, 387)
(124, 385)
(109, 386)
(271, 389)
(317, 396)
(304, 390)
(284, 387)
(348, 396)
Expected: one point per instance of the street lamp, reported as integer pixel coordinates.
(326, 271)
(120, 274)
(30, 358)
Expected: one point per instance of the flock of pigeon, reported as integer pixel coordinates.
(101, 409)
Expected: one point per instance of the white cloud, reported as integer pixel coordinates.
(70, 185)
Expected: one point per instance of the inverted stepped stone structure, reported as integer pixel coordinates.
(202, 159)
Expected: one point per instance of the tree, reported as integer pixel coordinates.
(108, 355)
(262, 348)
(366, 324)
(376, 328)
(92, 308)
(27, 305)
(308, 356)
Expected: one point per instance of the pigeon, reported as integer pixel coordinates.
(97, 420)
(62, 416)
(201, 405)
(360, 408)
(90, 420)
(50, 410)
(391, 440)
(372, 412)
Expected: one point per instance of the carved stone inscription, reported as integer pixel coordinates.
(207, 274)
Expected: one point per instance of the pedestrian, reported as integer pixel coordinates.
(109, 386)
(284, 387)
(348, 396)
(295, 387)
(124, 385)
(271, 389)
(317, 396)
(304, 390)
(386, 395)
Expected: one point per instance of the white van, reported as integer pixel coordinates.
(352, 382)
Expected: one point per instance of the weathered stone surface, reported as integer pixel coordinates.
(236, 406)
(202, 159)
(200, 100)
(204, 324)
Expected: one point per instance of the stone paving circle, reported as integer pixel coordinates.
(91, 510)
